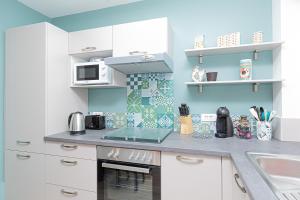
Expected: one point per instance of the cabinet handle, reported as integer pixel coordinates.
(138, 53)
(73, 194)
(68, 163)
(23, 142)
(189, 160)
(23, 157)
(87, 49)
(236, 177)
(69, 147)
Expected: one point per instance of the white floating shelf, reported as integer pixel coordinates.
(255, 83)
(266, 46)
(255, 48)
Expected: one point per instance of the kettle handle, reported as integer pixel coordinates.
(69, 119)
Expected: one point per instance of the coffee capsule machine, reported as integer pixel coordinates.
(224, 123)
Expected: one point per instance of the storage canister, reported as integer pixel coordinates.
(246, 69)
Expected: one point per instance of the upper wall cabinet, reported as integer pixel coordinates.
(150, 36)
(142, 47)
(92, 40)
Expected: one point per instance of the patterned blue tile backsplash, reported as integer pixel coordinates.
(150, 104)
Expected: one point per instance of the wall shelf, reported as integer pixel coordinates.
(255, 83)
(255, 48)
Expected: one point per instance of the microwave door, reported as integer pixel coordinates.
(87, 73)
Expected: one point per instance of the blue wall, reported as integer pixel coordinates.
(12, 14)
(188, 19)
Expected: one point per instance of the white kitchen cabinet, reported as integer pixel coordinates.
(81, 151)
(233, 187)
(151, 36)
(191, 177)
(72, 172)
(54, 192)
(38, 99)
(91, 40)
(24, 177)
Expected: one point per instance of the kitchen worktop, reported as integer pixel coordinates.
(231, 147)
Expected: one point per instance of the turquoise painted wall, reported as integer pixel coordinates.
(12, 14)
(188, 19)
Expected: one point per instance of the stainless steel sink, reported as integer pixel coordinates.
(281, 172)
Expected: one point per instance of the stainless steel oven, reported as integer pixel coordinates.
(128, 174)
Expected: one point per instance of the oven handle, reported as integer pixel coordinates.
(126, 168)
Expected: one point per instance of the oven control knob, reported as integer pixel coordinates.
(117, 153)
(137, 156)
(111, 153)
(144, 157)
(131, 155)
(150, 158)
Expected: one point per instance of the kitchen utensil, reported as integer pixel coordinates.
(224, 123)
(211, 76)
(272, 115)
(262, 113)
(76, 123)
(254, 113)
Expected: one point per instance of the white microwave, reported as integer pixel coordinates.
(91, 73)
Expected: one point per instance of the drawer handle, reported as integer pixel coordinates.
(89, 49)
(189, 160)
(24, 143)
(73, 194)
(236, 177)
(69, 147)
(23, 157)
(68, 163)
(132, 53)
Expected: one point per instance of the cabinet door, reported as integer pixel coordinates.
(24, 175)
(190, 177)
(25, 85)
(149, 36)
(72, 172)
(99, 39)
(233, 188)
(54, 192)
(238, 190)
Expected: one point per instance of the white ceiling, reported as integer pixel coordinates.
(58, 8)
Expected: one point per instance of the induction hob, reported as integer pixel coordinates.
(151, 135)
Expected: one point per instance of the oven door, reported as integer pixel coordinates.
(127, 181)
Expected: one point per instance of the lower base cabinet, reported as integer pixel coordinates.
(190, 177)
(24, 175)
(54, 192)
(233, 187)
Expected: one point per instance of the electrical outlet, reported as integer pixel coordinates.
(208, 117)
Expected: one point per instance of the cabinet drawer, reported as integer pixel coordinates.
(92, 40)
(71, 172)
(24, 175)
(54, 192)
(71, 150)
(191, 177)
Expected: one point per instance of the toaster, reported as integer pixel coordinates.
(95, 122)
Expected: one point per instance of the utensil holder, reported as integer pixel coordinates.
(264, 131)
(186, 125)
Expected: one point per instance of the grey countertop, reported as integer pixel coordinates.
(232, 147)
